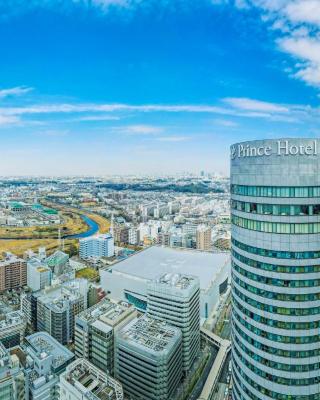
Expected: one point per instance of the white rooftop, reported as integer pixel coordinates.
(149, 264)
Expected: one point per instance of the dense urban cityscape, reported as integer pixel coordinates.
(100, 275)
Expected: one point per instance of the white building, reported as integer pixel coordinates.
(83, 381)
(175, 298)
(97, 246)
(39, 275)
(128, 279)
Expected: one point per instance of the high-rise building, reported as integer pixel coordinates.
(13, 273)
(58, 262)
(45, 360)
(275, 201)
(204, 238)
(56, 308)
(94, 331)
(38, 274)
(175, 298)
(149, 359)
(97, 246)
(83, 381)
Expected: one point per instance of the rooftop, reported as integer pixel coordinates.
(12, 319)
(150, 333)
(107, 311)
(44, 345)
(155, 261)
(92, 383)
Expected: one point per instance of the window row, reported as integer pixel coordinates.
(288, 255)
(276, 209)
(298, 312)
(276, 282)
(277, 379)
(276, 227)
(286, 269)
(266, 392)
(276, 191)
(275, 323)
(276, 365)
(275, 351)
(294, 297)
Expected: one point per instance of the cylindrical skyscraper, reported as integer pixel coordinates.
(275, 205)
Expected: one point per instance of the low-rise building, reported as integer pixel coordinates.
(83, 381)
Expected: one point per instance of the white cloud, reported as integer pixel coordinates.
(16, 91)
(298, 23)
(6, 120)
(139, 130)
(255, 105)
(172, 139)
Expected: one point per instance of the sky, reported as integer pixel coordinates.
(101, 87)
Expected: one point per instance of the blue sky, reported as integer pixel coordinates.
(98, 87)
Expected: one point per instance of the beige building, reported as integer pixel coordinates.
(13, 273)
(204, 238)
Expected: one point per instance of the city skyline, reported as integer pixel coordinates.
(142, 87)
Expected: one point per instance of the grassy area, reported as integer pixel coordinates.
(87, 273)
(104, 223)
(18, 247)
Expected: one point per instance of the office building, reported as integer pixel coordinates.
(149, 359)
(97, 246)
(275, 189)
(128, 279)
(204, 238)
(12, 328)
(175, 298)
(57, 306)
(83, 381)
(46, 359)
(13, 273)
(39, 275)
(11, 376)
(94, 332)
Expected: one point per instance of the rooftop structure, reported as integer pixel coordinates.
(42, 345)
(11, 376)
(83, 381)
(149, 359)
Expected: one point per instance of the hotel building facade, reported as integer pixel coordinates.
(275, 202)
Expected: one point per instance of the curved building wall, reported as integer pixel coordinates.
(275, 205)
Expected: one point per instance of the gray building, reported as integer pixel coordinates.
(275, 190)
(175, 298)
(149, 359)
(94, 331)
(46, 359)
(57, 306)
